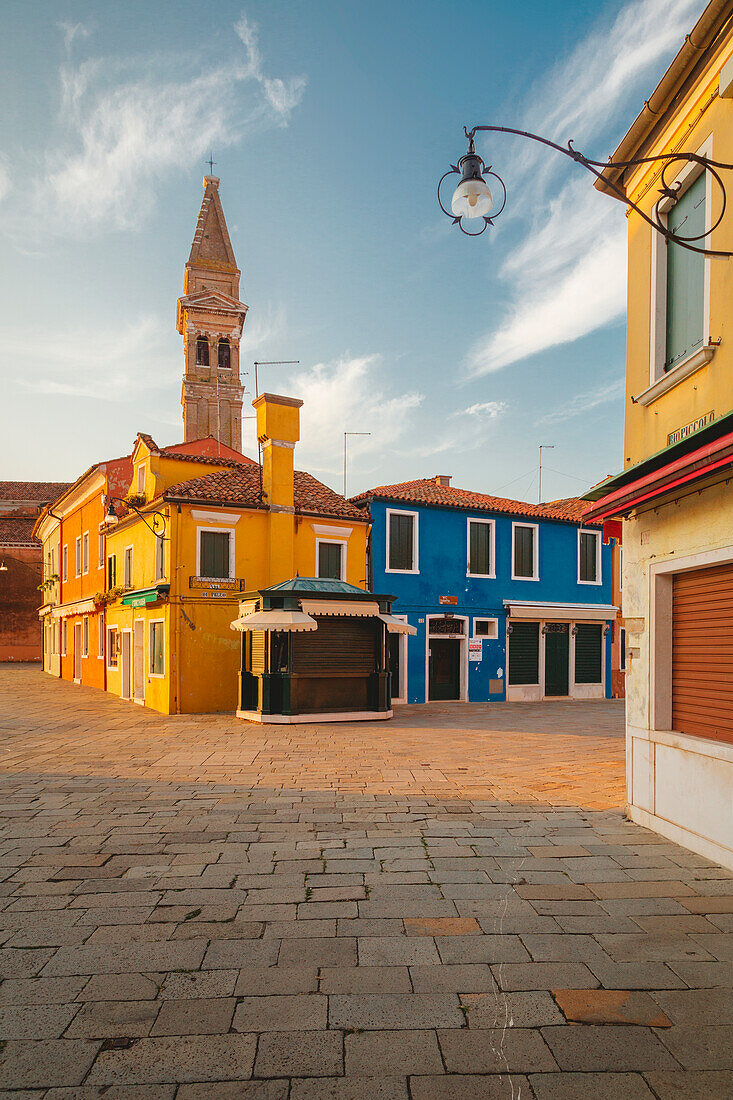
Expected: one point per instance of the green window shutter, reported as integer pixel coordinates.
(685, 277)
(524, 551)
(524, 653)
(329, 560)
(400, 541)
(588, 556)
(588, 657)
(214, 554)
(479, 559)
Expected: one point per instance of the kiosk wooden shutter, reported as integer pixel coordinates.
(702, 652)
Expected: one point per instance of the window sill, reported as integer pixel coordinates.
(524, 579)
(481, 576)
(672, 378)
(593, 584)
(406, 572)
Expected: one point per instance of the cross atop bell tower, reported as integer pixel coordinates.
(210, 319)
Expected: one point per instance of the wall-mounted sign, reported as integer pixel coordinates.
(212, 595)
(689, 429)
(206, 585)
(475, 651)
(448, 599)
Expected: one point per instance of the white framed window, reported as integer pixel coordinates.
(78, 556)
(402, 541)
(215, 553)
(141, 478)
(64, 636)
(525, 552)
(156, 648)
(112, 647)
(100, 551)
(127, 574)
(486, 628)
(622, 650)
(589, 556)
(85, 552)
(480, 540)
(100, 637)
(159, 558)
(65, 564)
(331, 558)
(85, 636)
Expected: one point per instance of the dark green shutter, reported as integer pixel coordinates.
(214, 554)
(329, 560)
(685, 277)
(400, 541)
(479, 560)
(524, 653)
(524, 551)
(588, 657)
(588, 556)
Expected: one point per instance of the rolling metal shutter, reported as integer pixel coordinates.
(588, 653)
(524, 653)
(702, 652)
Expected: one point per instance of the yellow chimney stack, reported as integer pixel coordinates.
(278, 430)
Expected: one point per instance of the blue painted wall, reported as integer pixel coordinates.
(442, 558)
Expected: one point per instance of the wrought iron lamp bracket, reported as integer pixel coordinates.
(158, 520)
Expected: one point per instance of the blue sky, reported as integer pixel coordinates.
(330, 125)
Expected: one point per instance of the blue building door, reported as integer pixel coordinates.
(444, 669)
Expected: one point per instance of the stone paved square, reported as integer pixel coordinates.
(196, 907)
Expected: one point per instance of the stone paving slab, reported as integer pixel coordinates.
(193, 907)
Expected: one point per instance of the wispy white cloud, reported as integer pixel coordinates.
(129, 124)
(72, 31)
(586, 402)
(482, 410)
(567, 271)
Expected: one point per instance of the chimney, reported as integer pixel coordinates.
(443, 479)
(278, 430)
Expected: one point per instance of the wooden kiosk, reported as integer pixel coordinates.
(315, 649)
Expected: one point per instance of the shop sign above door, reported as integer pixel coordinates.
(689, 429)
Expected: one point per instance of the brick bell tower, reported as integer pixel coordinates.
(210, 319)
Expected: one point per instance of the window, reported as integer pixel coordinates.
(330, 559)
(215, 558)
(85, 636)
(64, 636)
(589, 557)
(85, 552)
(685, 277)
(480, 548)
(622, 650)
(524, 653)
(202, 352)
(486, 628)
(159, 558)
(588, 654)
(65, 564)
(141, 478)
(100, 551)
(112, 647)
(620, 569)
(112, 571)
(127, 581)
(78, 557)
(524, 559)
(402, 542)
(155, 648)
(100, 637)
(224, 354)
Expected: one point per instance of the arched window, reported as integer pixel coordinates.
(224, 353)
(202, 352)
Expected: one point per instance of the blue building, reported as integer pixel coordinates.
(511, 601)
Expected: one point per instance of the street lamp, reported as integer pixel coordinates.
(472, 200)
(158, 519)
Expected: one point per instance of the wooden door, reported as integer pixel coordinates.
(444, 669)
(77, 652)
(702, 652)
(139, 661)
(126, 658)
(557, 658)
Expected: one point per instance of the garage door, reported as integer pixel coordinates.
(702, 652)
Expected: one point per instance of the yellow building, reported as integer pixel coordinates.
(228, 527)
(674, 493)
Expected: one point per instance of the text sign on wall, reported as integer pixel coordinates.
(475, 651)
(206, 585)
(689, 429)
(448, 599)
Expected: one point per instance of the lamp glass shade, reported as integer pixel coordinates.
(111, 518)
(472, 199)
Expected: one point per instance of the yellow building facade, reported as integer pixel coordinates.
(674, 493)
(227, 527)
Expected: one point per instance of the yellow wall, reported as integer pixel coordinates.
(700, 116)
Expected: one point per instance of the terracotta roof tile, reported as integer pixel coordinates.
(42, 492)
(241, 486)
(17, 532)
(428, 491)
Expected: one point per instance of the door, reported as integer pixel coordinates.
(395, 665)
(125, 657)
(702, 652)
(557, 658)
(77, 652)
(444, 669)
(139, 662)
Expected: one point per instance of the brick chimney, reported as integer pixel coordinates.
(278, 430)
(443, 479)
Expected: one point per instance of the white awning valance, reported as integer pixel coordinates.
(362, 609)
(80, 607)
(397, 626)
(275, 620)
(561, 612)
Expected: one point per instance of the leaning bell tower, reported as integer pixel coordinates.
(210, 319)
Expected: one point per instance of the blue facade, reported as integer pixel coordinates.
(440, 584)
